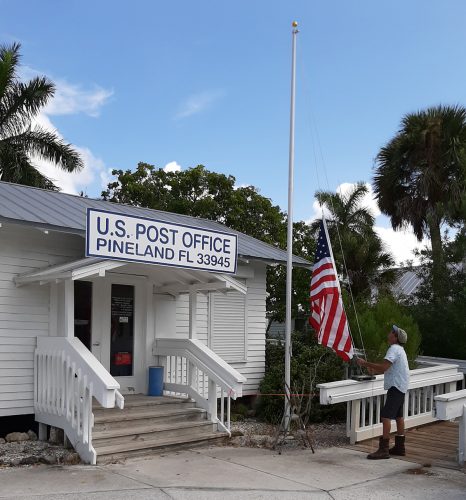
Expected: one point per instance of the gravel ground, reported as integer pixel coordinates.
(247, 433)
(35, 452)
(261, 435)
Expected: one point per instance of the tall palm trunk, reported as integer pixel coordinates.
(438, 261)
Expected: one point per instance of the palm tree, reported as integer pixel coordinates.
(19, 141)
(420, 176)
(361, 257)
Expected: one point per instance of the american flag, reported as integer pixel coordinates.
(328, 317)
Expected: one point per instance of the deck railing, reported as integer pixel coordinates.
(66, 378)
(193, 370)
(366, 399)
(451, 406)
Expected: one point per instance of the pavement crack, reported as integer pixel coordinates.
(313, 488)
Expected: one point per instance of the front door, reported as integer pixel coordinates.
(109, 320)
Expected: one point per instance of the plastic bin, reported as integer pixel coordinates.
(155, 380)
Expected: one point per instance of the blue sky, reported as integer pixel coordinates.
(208, 82)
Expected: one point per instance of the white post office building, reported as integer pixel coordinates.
(93, 294)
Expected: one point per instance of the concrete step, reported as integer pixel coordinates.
(157, 432)
(123, 420)
(106, 454)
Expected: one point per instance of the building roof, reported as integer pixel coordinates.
(57, 211)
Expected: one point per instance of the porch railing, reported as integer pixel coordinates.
(366, 399)
(194, 370)
(66, 378)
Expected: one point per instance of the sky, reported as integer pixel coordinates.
(177, 84)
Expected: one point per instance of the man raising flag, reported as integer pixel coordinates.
(328, 316)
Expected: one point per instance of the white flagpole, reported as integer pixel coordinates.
(289, 239)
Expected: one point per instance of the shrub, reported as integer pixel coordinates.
(376, 321)
(311, 364)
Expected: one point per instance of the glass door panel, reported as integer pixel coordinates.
(122, 331)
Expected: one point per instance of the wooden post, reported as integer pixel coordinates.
(355, 419)
(212, 400)
(462, 438)
(42, 432)
(69, 309)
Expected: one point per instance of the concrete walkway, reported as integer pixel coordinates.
(237, 473)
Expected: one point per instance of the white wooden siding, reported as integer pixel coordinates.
(254, 366)
(227, 325)
(24, 311)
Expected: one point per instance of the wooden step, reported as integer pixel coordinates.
(145, 417)
(160, 432)
(152, 407)
(106, 454)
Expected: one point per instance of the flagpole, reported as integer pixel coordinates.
(289, 239)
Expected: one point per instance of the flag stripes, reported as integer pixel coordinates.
(328, 315)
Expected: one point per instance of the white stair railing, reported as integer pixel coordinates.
(194, 370)
(66, 378)
(366, 399)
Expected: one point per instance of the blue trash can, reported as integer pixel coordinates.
(155, 380)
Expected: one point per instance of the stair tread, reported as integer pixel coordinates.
(145, 429)
(147, 413)
(156, 443)
(134, 401)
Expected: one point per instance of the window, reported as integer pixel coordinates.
(227, 325)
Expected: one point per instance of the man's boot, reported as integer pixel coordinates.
(399, 448)
(382, 452)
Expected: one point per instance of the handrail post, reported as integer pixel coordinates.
(355, 419)
(212, 400)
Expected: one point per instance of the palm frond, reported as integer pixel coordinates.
(48, 146)
(9, 59)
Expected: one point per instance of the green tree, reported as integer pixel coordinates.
(304, 244)
(376, 320)
(443, 323)
(19, 141)
(420, 177)
(200, 193)
(368, 265)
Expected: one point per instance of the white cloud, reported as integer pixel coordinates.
(401, 244)
(72, 99)
(198, 102)
(172, 167)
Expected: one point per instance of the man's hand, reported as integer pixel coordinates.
(363, 362)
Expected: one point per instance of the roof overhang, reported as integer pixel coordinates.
(170, 280)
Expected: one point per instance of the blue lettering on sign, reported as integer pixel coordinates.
(120, 228)
(99, 229)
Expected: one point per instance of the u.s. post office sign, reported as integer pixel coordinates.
(137, 239)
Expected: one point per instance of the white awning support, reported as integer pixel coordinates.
(75, 270)
(172, 280)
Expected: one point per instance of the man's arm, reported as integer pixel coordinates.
(374, 368)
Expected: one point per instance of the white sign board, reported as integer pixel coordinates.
(136, 239)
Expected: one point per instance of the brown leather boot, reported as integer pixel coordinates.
(382, 452)
(399, 448)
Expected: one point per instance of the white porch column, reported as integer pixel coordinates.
(192, 314)
(69, 308)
